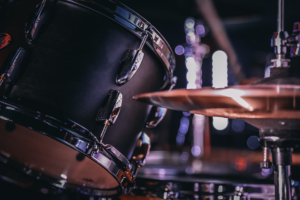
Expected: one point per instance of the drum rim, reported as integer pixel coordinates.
(49, 180)
(160, 46)
(71, 138)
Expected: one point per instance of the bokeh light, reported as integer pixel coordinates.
(189, 23)
(179, 50)
(268, 71)
(253, 142)
(186, 114)
(184, 157)
(219, 70)
(220, 123)
(266, 172)
(237, 125)
(196, 151)
(200, 30)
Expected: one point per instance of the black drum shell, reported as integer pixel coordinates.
(74, 64)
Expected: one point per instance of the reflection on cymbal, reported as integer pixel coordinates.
(244, 114)
(247, 101)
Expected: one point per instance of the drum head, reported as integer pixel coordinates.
(52, 158)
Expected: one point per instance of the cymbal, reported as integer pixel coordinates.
(245, 101)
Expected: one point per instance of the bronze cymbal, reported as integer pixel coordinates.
(245, 102)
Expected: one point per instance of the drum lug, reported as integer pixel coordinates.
(131, 62)
(38, 20)
(14, 66)
(128, 175)
(110, 111)
(157, 114)
(3, 77)
(141, 151)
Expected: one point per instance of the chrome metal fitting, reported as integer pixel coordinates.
(294, 40)
(278, 41)
(266, 164)
(110, 111)
(157, 114)
(280, 61)
(2, 78)
(131, 62)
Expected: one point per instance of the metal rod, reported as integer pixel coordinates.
(143, 41)
(266, 153)
(103, 132)
(280, 18)
(282, 160)
(282, 182)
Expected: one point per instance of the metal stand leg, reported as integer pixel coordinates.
(282, 160)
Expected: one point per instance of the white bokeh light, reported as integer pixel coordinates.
(189, 23)
(220, 123)
(191, 86)
(219, 69)
(191, 76)
(220, 80)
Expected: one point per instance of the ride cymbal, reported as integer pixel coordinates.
(246, 101)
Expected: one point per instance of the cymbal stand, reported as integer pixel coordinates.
(281, 143)
(281, 140)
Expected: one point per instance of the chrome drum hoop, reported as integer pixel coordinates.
(72, 135)
(135, 23)
(16, 169)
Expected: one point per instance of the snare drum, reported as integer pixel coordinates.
(55, 77)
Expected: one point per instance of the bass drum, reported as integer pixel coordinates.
(55, 77)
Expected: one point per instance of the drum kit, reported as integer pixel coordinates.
(67, 118)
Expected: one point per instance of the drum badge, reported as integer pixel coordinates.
(5, 40)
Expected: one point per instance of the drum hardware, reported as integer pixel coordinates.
(142, 150)
(157, 114)
(32, 27)
(13, 66)
(2, 78)
(90, 149)
(138, 159)
(266, 164)
(132, 60)
(105, 155)
(139, 26)
(37, 21)
(282, 146)
(294, 40)
(110, 111)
